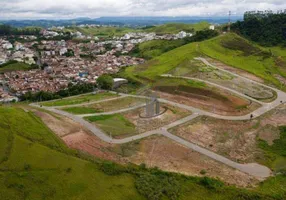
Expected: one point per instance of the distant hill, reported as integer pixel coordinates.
(172, 28)
(229, 48)
(120, 21)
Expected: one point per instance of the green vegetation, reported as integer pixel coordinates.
(81, 110)
(15, 66)
(174, 28)
(116, 125)
(106, 106)
(40, 166)
(265, 29)
(238, 52)
(105, 82)
(229, 48)
(8, 30)
(71, 90)
(155, 48)
(275, 154)
(80, 99)
(101, 31)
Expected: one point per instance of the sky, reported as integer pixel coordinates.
(66, 9)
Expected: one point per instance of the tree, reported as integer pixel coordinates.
(105, 82)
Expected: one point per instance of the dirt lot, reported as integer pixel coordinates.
(162, 152)
(232, 105)
(77, 137)
(236, 140)
(154, 151)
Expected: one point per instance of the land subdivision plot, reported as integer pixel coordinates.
(106, 106)
(122, 125)
(203, 96)
(161, 152)
(197, 69)
(85, 98)
(155, 151)
(237, 140)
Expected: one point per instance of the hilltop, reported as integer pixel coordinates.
(173, 28)
(268, 64)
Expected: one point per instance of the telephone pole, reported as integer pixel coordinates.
(228, 28)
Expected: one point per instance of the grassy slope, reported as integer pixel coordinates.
(172, 28)
(15, 67)
(255, 64)
(34, 170)
(79, 99)
(265, 68)
(115, 124)
(155, 48)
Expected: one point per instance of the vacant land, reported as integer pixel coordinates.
(58, 173)
(153, 48)
(259, 140)
(80, 99)
(130, 123)
(15, 67)
(114, 125)
(229, 49)
(198, 94)
(197, 69)
(112, 105)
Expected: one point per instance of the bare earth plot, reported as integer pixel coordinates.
(205, 97)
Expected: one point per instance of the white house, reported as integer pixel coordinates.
(7, 45)
(212, 27)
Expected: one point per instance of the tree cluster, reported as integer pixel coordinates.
(70, 91)
(265, 29)
(6, 30)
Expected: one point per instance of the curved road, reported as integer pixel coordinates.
(253, 169)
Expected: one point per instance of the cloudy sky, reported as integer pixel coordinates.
(55, 9)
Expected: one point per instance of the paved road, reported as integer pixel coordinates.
(252, 168)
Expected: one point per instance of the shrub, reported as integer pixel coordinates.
(112, 169)
(153, 187)
(211, 183)
(105, 82)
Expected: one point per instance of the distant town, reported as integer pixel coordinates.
(79, 59)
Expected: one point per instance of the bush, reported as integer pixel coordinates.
(154, 186)
(105, 82)
(111, 168)
(211, 183)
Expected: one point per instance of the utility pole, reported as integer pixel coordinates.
(228, 28)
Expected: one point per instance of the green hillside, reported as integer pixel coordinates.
(229, 48)
(173, 28)
(35, 164)
(8, 67)
(101, 31)
(154, 48)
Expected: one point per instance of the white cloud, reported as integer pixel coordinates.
(20, 9)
